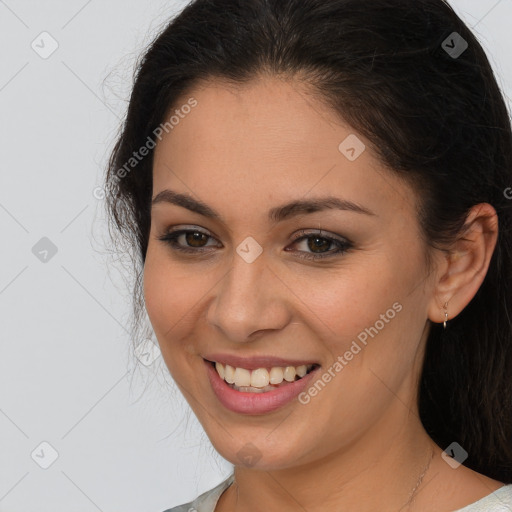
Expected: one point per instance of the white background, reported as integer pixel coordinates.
(124, 437)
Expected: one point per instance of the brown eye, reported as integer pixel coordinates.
(194, 241)
(318, 245)
(315, 243)
(195, 238)
(186, 240)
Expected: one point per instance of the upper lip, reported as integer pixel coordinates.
(255, 362)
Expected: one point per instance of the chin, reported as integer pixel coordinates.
(244, 448)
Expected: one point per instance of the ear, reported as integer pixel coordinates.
(464, 265)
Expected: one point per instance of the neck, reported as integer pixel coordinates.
(382, 468)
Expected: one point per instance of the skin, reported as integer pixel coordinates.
(358, 444)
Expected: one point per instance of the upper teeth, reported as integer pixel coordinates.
(260, 377)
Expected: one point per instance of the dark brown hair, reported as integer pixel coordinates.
(436, 118)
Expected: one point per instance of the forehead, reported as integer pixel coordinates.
(265, 119)
(269, 139)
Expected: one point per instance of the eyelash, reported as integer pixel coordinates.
(343, 245)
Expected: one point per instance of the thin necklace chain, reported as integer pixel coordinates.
(413, 492)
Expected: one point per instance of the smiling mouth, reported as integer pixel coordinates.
(261, 380)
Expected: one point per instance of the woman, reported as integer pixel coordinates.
(317, 193)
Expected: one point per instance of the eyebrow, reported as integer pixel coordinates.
(276, 214)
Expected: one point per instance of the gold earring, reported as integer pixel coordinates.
(445, 314)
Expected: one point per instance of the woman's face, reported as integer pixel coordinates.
(247, 290)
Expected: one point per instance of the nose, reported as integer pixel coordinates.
(250, 298)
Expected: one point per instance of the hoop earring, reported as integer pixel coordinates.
(445, 314)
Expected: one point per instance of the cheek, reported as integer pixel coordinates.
(352, 299)
(366, 319)
(169, 297)
(368, 313)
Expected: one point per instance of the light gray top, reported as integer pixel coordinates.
(498, 501)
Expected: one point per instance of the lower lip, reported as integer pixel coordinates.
(255, 403)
